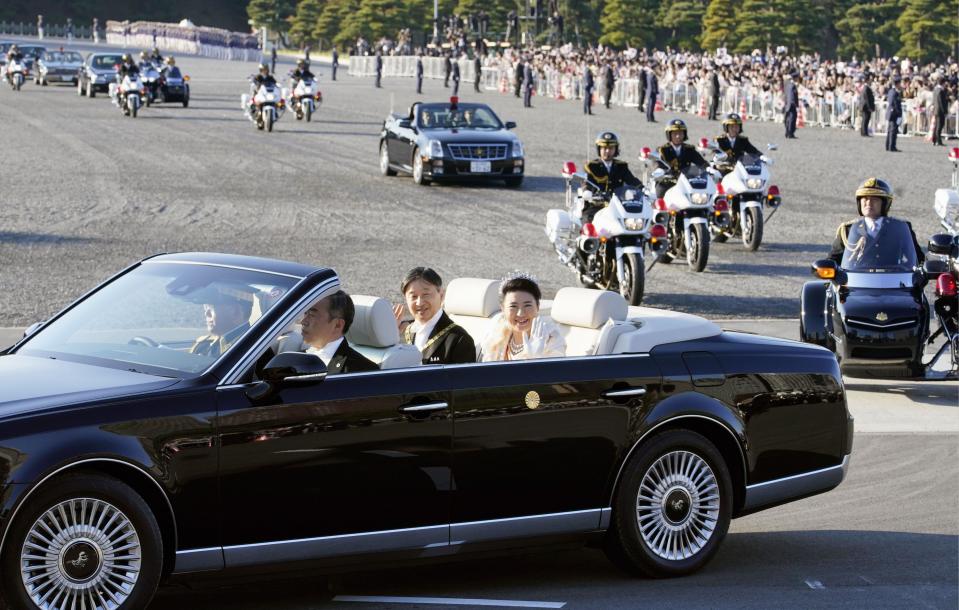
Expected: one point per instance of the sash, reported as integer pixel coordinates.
(409, 336)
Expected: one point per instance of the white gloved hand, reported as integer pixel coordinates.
(534, 344)
(899, 121)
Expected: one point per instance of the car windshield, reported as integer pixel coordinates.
(32, 51)
(173, 72)
(106, 61)
(891, 250)
(162, 318)
(62, 57)
(437, 116)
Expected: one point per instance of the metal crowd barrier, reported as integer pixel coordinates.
(404, 66)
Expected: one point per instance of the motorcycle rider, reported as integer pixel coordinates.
(873, 200)
(155, 56)
(677, 155)
(127, 67)
(13, 54)
(169, 63)
(302, 72)
(606, 171)
(733, 143)
(263, 77)
(144, 58)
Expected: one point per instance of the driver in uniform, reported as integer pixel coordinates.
(227, 312)
(873, 200)
(733, 143)
(677, 155)
(607, 172)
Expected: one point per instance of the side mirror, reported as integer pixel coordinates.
(827, 269)
(32, 329)
(285, 369)
(510, 124)
(941, 243)
(935, 268)
(772, 146)
(404, 123)
(658, 173)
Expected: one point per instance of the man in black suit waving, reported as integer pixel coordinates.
(324, 328)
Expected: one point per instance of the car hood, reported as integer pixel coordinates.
(32, 383)
(867, 303)
(469, 135)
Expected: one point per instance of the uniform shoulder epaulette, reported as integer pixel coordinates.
(619, 162)
(843, 233)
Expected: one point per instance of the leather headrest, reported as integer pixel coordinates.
(374, 323)
(588, 308)
(470, 296)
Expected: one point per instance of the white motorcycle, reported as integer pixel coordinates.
(604, 241)
(747, 187)
(946, 245)
(16, 74)
(265, 107)
(128, 94)
(305, 98)
(151, 80)
(690, 204)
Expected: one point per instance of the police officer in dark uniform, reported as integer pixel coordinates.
(873, 200)
(456, 77)
(589, 85)
(419, 72)
(893, 114)
(714, 94)
(447, 69)
(127, 66)
(378, 66)
(528, 84)
(606, 172)
(477, 72)
(677, 155)
(336, 62)
(302, 72)
(263, 77)
(14, 54)
(652, 90)
(155, 56)
(733, 143)
(518, 77)
(227, 314)
(609, 82)
(867, 105)
(791, 101)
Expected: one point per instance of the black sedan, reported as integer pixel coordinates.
(158, 426)
(97, 72)
(451, 141)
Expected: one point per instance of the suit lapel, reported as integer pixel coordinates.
(430, 350)
(338, 361)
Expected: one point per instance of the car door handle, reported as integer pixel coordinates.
(424, 408)
(624, 392)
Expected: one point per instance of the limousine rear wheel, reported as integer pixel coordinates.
(672, 507)
(83, 541)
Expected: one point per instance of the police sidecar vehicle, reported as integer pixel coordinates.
(872, 312)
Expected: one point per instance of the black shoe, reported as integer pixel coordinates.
(894, 150)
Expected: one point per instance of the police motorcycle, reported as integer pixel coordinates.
(151, 80)
(16, 73)
(946, 303)
(746, 187)
(304, 98)
(689, 204)
(608, 251)
(128, 94)
(871, 309)
(266, 106)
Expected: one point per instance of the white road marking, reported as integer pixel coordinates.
(815, 584)
(449, 601)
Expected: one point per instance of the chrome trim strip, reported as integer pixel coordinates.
(221, 265)
(27, 495)
(891, 325)
(526, 527)
(770, 492)
(605, 516)
(624, 393)
(619, 473)
(333, 546)
(267, 337)
(433, 406)
(199, 560)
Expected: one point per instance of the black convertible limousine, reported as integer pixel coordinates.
(127, 455)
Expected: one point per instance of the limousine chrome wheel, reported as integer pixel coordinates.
(84, 541)
(673, 506)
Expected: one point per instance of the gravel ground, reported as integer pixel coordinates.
(87, 191)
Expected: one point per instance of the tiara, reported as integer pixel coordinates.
(517, 275)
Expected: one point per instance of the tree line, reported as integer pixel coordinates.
(924, 30)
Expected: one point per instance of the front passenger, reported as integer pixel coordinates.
(324, 326)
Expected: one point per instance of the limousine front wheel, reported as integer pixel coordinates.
(82, 541)
(672, 507)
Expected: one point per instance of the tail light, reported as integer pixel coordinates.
(657, 232)
(721, 191)
(589, 230)
(660, 204)
(946, 285)
(282, 103)
(773, 190)
(569, 168)
(319, 96)
(704, 143)
(644, 152)
(772, 196)
(954, 154)
(721, 206)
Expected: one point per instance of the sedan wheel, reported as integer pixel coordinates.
(87, 541)
(385, 160)
(673, 506)
(418, 177)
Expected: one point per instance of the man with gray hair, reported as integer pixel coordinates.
(324, 327)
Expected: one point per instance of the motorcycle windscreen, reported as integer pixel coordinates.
(891, 249)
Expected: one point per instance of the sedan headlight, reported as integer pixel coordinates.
(754, 183)
(517, 149)
(699, 198)
(633, 224)
(436, 149)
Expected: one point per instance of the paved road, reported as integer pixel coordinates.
(90, 191)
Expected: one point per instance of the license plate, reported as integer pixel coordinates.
(480, 167)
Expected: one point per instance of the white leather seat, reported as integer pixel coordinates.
(374, 334)
(591, 321)
(472, 302)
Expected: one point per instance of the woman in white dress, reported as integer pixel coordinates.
(518, 332)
